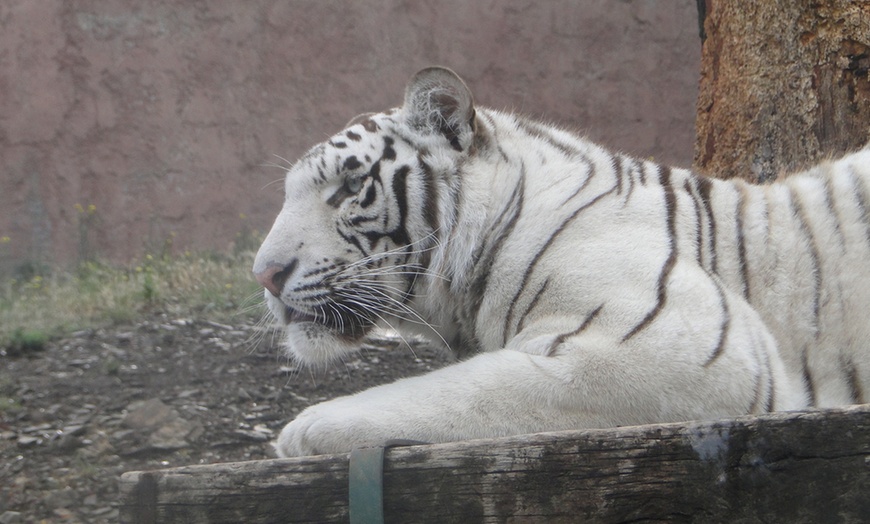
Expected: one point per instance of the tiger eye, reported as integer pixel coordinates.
(353, 183)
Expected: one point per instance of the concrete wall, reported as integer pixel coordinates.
(162, 115)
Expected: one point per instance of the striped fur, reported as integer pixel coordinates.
(583, 288)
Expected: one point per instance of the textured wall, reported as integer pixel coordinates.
(162, 115)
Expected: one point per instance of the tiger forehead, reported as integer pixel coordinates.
(354, 150)
(366, 131)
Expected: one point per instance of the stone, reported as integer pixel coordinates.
(150, 413)
(176, 434)
(10, 517)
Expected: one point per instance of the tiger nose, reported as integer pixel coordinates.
(274, 277)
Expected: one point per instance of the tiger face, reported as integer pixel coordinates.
(359, 219)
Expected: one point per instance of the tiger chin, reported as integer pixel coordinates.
(580, 288)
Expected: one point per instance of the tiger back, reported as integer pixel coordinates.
(581, 288)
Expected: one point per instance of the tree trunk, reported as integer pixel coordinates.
(784, 84)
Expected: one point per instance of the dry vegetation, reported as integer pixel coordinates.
(40, 307)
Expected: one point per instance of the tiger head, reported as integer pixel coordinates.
(362, 215)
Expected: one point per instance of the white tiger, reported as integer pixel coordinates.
(584, 288)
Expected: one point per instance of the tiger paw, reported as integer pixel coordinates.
(330, 427)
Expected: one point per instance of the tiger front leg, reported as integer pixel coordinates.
(550, 381)
(493, 394)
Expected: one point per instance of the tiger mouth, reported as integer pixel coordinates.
(352, 327)
(294, 316)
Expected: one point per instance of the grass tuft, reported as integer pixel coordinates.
(43, 306)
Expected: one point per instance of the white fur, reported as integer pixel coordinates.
(580, 336)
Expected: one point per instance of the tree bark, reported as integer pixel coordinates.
(784, 84)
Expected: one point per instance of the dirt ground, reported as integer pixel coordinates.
(159, 393)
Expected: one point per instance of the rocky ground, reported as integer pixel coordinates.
(160, 393)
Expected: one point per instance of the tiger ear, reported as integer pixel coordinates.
(437, 101)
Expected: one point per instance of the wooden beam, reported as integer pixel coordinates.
(783, 467)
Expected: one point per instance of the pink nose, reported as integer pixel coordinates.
(274, 277)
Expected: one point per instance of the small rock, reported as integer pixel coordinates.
(255, 436)
(67, 442)
(61, 499)
(75, 430)
(177, 434)
(187, 393)
(102, 511)
(39, 428)
(10, 517)
(63, 513)
(25, 441)
(148, 414)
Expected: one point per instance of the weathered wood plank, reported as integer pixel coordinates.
(784, 467)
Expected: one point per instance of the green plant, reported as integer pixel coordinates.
(149, 288)
(112, 366)
(9, 405)
(24, 341)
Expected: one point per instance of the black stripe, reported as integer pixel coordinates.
(509, 210)
(361, 219)
(832, 210)
(691, 189)
(389, 152)
(855, 391)
(705, 186)
(561, 338)
(353, 241)
(532, 305)
(627, 171)
(493, 129)
(318, 271)
(616, 164)
(351, 163)
(527, 274)
(585, 183)
(768, 406)
(399, 235)
(740, 212)
(808, 378)
(339, 196)
(537, 130)
(369, 197)
(724, 328)
(670, 262)
(798, 212)
(430, 196)
(502, 229)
